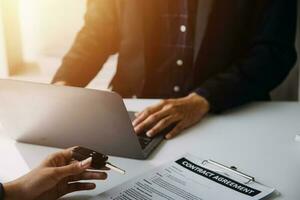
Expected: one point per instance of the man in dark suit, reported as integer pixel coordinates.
(201, 55)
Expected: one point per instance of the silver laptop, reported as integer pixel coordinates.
(63, 117)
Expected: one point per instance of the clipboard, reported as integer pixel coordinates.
(232, 169)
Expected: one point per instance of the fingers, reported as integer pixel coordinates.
(73, 169)
(151, 120)
(161, 125)
(58, 159)
(178, 129)
(67, 154)
(89, 176)
(74, 187)
(137, 114)
(148, 111)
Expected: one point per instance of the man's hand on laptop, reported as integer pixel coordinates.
(185, 112)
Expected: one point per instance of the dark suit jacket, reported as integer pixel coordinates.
(244, 48)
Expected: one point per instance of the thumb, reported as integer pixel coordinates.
(74, 168)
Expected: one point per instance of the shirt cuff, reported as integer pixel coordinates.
(205, 94)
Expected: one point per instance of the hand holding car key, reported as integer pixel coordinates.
(99, 161)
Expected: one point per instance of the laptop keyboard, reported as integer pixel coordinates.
(144, 140)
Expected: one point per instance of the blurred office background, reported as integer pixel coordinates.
(35, 34)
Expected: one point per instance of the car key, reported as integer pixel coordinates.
(99, 160)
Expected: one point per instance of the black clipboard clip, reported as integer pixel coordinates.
(232, 169)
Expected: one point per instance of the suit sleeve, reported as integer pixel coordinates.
(266, 64)
(96, 41)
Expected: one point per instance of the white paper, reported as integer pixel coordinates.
(186, 179)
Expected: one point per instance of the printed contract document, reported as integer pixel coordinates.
(187, 178)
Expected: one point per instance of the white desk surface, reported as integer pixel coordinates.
(258, 139)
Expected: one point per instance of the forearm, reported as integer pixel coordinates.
(74, 72)
(12, 191)
(97, 40)
(86, 57)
